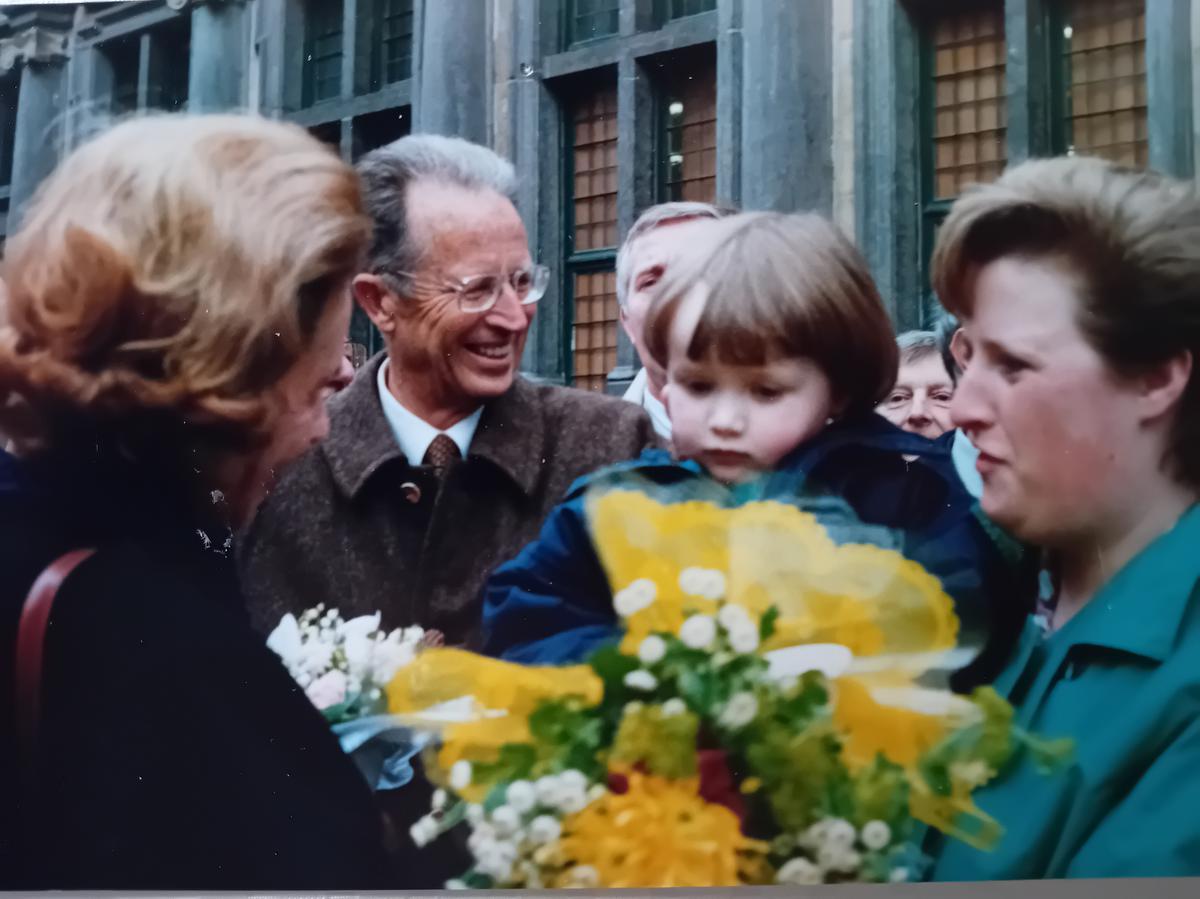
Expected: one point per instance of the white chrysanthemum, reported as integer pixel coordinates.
(475, 814)
(652, 650)
(544, 829)
(438, 802)
(637, 596)
(898, 875)
(674, 706)
(739, 711)
(481, 835)
(596, 791)
(521, 795)
(506, 820)
(799, 872)
(456, 884)
(460, 775)
(547, 790)
(698, 632)
(495, 866)
(572, 801)
(424, 831)
(876, 835)
(411, 634)
(706, 582)
(840, 833)
(641, 679)
(744, 638)
(573, 779)
(731, 616)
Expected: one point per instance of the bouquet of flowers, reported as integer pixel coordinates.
(775, 712)
(343, 667)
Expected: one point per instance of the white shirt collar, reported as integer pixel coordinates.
(413, 433)
(639, 392)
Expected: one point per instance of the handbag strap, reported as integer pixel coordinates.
(31, 645)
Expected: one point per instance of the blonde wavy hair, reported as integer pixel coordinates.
(170, 271)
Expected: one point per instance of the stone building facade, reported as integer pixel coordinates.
(875, 112)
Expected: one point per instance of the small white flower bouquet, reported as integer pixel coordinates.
(343, 666)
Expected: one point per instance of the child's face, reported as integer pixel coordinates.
(740, 420)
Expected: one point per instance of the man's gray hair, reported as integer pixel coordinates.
(652, 218)
(386, 173)
(916, 345)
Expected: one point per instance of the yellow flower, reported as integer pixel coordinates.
(659, 833)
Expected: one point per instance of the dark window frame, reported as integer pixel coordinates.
(577, 262)
(385, 68)
(674, 10)
(932, 210)
(573, 37)
(319, 29)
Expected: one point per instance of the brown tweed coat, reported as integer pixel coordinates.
(353, 525)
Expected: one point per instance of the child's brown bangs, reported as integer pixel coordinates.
(752, 318)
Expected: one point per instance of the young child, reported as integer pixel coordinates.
(776, 348)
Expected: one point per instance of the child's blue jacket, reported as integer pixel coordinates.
(552, 604)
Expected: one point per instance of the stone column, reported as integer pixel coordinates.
(787, 106)
(41, 109)
(886, 195)
(1026, 74)
(219, 56)
(1169, 85)
(453, 77)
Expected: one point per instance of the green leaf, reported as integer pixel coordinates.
(766, 624)
(611, 665)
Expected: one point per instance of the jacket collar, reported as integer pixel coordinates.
(1142, 608)
(510, 435)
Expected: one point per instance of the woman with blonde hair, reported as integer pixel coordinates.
(177, 303)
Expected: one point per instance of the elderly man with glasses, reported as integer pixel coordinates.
(441, 461)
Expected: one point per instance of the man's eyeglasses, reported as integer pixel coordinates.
(479, 293)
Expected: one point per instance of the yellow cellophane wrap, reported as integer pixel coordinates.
(504, 695)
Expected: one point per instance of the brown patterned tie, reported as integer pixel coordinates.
(442, 453)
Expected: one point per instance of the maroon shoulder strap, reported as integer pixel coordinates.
(31, 644)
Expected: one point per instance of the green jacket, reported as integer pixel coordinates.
(1122, 678)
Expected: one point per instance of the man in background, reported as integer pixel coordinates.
(655, 238)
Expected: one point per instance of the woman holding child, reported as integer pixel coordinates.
(1078, 286)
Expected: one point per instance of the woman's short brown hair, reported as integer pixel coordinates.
(173, 268)
(785, 286)
(1131, 237)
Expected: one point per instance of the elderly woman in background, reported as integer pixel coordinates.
(177, 306)
(1078, 287)
(920, 400)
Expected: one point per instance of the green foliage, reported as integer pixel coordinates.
(665, 744)
(568, 736)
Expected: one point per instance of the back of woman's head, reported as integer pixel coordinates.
(169, 272)
(782, 285)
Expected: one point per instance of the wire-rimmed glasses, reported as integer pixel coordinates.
(479, 293)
